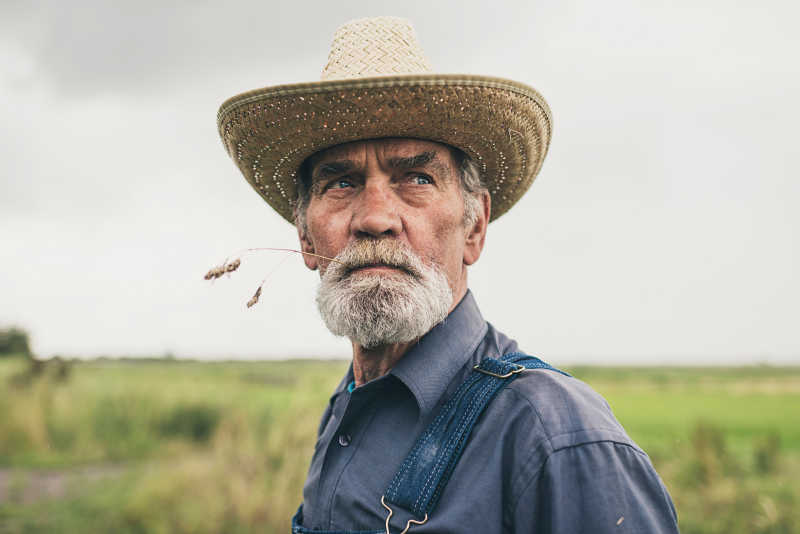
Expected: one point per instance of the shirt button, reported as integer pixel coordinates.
(344, 440)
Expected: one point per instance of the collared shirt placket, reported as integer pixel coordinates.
(344, 443)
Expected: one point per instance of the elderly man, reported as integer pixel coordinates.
(391, 175)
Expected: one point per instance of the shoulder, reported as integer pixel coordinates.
(562, 439)
(566, 411)
(577, 447)
(543, 412)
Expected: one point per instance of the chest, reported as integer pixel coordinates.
(364, 439)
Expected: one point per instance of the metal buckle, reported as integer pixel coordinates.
(410, 521)
(519, 369)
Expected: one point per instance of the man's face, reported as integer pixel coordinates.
(403, 193)
(402, 189)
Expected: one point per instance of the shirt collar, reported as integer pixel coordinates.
(430, 365)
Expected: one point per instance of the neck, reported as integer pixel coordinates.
(372, 363)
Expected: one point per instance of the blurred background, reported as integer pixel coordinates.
(654, 256)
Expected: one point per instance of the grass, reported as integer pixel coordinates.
(168, 446)
(660, 406)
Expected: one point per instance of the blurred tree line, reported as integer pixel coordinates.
(14, 342)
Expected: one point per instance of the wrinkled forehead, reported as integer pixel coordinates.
(384, 149)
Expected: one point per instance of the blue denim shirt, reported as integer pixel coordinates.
(546, 456)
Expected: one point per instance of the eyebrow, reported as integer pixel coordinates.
(333, 168)
(412, 162)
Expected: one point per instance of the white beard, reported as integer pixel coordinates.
(380, 309)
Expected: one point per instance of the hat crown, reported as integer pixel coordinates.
(378, 46)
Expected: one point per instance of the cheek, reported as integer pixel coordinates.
(326, 231)
(451, 220)
(448, 238)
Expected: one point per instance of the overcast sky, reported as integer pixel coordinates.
(663, 226)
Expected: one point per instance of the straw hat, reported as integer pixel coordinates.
(377, 83)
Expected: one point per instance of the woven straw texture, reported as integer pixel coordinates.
(504, 125)
(374, 47)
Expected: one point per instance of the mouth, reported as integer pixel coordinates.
(377, 268)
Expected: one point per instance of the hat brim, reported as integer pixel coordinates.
(505, 126)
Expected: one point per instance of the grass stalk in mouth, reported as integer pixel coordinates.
(227, 267)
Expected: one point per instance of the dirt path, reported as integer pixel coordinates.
(26, 486)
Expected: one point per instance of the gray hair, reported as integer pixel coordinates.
(471, 187)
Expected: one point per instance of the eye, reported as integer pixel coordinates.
(341, 183)
(421, 179)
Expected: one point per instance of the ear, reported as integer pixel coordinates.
(312, 262)
(476, 235)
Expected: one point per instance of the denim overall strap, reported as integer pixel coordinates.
(426, 470)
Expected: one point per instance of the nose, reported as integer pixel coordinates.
(376, 213)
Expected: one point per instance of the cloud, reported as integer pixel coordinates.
(85, 49)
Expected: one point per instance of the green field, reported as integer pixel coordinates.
(169, 447)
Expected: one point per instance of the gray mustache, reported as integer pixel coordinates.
(365, 253)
